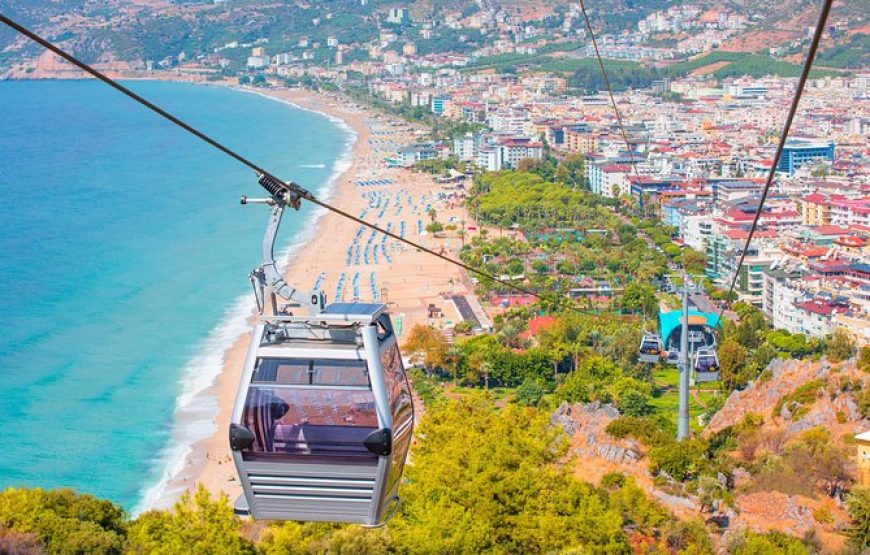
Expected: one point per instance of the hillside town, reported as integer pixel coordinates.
(700, 134)
(699, 149)
(606, 324)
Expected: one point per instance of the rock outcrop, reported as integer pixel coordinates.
(833, 405)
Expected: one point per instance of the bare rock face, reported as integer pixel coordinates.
(833, 406)
(587, 423)
(563, 419)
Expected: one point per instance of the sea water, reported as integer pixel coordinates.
(124, 256)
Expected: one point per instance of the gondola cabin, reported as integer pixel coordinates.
(706, 365)
(650, 351)
(323, 417)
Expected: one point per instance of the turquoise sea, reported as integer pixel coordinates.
(124, 256)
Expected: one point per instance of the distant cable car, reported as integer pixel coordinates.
(323, 416)
(706, 365)
(650, 350)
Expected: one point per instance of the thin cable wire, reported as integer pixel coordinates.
(805, 73)
(609, 88)
(293, 188)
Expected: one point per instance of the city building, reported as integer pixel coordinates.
(799, 152)
(398, 16)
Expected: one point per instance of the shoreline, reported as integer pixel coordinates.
(179, 459)
(206, 460)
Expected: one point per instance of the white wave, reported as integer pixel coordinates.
(314, 166)
(196, 407)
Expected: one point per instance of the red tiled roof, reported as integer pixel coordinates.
(830, 230)
(850, 241)
(615, 168)
(816, 307)
(744, 233)
(539, 324)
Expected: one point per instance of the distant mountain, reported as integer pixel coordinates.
(139, 30)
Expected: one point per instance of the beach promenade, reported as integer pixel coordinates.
(350, 262)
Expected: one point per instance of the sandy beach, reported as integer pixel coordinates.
(407, 280)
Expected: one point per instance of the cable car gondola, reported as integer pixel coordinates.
(706, 365)
(650, 350)
(323, 417)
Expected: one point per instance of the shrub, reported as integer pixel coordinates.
(862, 399)
(823, 515)
(798, 402)
(65, 522)
(682, 460)
(635, 403)
(688, 537)
(530, 392)
(840, 346)
(768, 543)
(864, 358)
(650, 430)
(858, 504)
(198, 524)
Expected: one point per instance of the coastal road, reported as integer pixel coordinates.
(702, 303)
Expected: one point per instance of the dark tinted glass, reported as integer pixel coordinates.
(292, 421)
(398, 393)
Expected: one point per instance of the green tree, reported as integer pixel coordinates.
(693, 261)
(752, 323)
(427, 346)
(864, 358)
(635, 403)
(858, 504)
(639, 297)
(530, 392)
(688, 538)
(682, 460)
(313, 538)
(486, 480)
(198, 524)
(64, 521)
(769, 543)
(840, 346)
(732, 360)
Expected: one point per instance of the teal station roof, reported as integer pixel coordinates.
(668, 321)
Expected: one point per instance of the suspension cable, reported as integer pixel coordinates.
(271, 183)
(805, 73)
(609, 88)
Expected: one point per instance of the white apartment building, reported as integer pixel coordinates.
(513, 122)
(516, 149)
(611, 180)
(695, 229)
(464, 148)
(489, 158)
(779, 298)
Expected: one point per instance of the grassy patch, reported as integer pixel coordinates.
(666, 376)
(570, 65)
